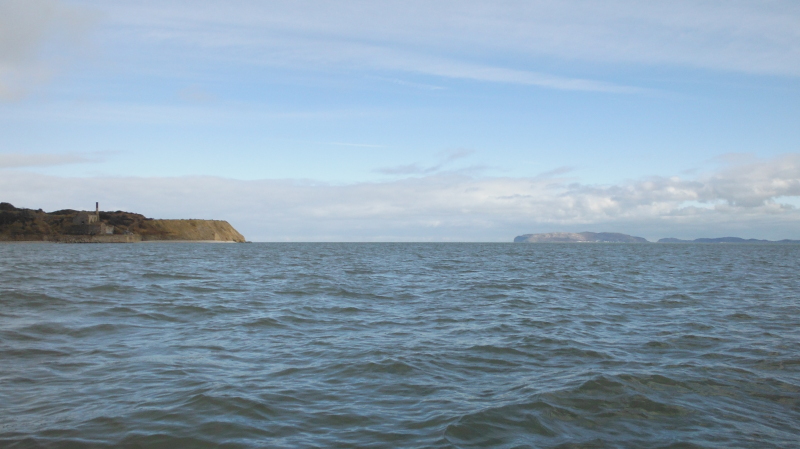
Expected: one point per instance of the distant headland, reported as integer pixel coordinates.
(580, 237)
(615, 237)
(72, 226)
(726, 240)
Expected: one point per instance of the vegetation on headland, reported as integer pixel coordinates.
(19, 225)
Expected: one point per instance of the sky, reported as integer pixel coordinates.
(308, 120)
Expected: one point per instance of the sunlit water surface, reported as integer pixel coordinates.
(400, 345)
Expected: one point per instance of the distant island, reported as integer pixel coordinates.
(616, 237)
(72, 226)
(726, 240)
(581, 237)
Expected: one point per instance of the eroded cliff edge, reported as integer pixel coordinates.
(71, 226)
(210, 230)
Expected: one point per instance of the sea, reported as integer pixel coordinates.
(395, 345)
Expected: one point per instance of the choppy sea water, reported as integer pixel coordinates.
(400, 345)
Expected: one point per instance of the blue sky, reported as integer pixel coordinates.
(414, 120)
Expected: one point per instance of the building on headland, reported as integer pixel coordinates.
(88, 223)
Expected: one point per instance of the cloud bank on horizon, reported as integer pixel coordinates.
(408, 120)
(750, 199)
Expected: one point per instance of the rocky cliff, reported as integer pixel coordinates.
(581, 237)
(18, 224)
(210, 230)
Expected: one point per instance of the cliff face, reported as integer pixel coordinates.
(582, 237)
(211, 230)
(17, 224)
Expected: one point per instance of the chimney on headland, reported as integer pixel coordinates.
(97, 207)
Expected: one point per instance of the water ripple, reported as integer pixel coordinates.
(399, 345)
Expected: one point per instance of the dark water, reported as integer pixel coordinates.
(400, 345)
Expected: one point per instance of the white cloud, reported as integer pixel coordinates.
(447, 206)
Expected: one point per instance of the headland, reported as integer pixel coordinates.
(579, 237)
(726, 240)
(616, 237)
(72, 226)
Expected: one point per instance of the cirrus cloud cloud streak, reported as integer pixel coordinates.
(506, 41)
